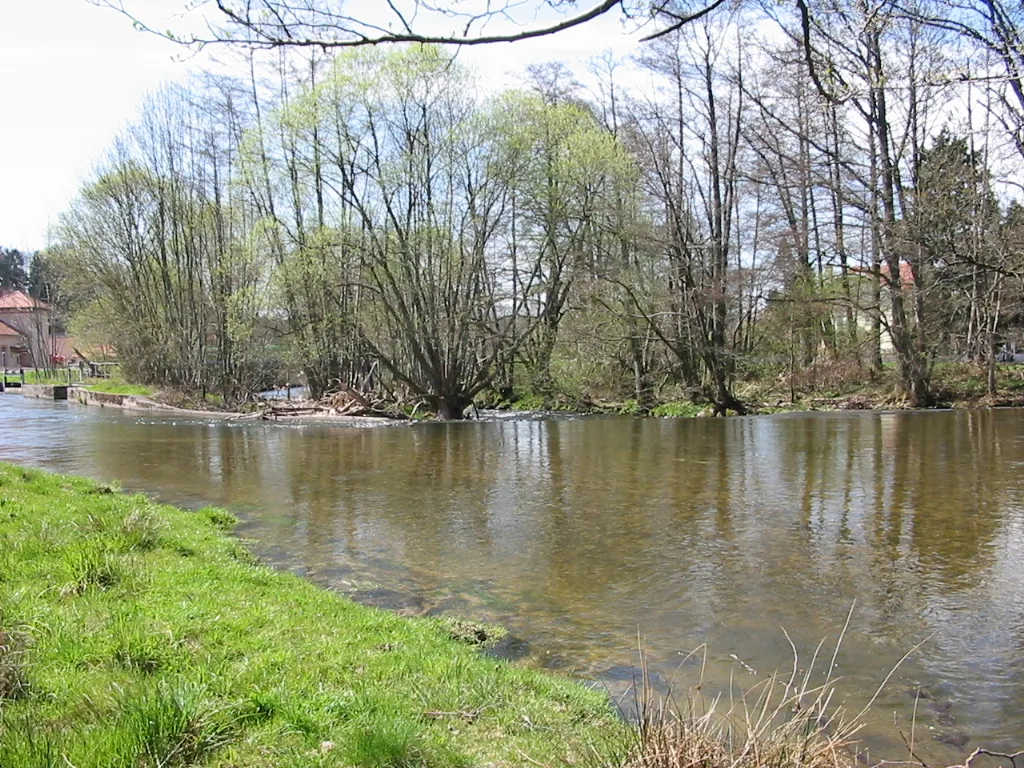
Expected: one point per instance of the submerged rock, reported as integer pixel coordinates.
(951, 738)
(945, 717)
(391, 600)
(472, 632)
(510, 648)
(624, 684)
(556, 661)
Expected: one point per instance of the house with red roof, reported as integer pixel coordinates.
(24, 330)
(866, 317)
(11, 345)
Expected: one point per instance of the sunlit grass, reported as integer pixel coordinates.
(114, 385)
(136, 634)
(117, 387)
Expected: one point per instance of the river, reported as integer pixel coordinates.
(582, 534)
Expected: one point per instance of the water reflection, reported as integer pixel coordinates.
(580, 533)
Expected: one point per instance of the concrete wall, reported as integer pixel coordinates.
(88, 397)
(46, 391)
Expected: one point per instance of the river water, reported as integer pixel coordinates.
(583, 535)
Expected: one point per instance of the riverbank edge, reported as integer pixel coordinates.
(114, 608)
(145, 404)
(684, 410)
(141, 403)
(666, 410)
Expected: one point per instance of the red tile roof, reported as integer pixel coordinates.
(19, 300)
(906, 273)
(6, 330)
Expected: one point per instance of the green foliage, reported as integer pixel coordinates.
(373, 222)
(677, 410)
(530, 402)
(12, 270)
(143, 638)
(316, 282)
(631, 408)
(158, 262)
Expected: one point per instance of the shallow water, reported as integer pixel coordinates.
(581, 534)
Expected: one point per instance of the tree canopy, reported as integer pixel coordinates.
(12, 270)
(375, 220)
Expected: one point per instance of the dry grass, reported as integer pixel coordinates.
(779, 723)
(12, 673)
(786, 721)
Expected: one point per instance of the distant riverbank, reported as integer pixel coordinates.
(955, 385)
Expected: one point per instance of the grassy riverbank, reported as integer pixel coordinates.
(113, 385)
(137, 634)
(118, 387)
(823, 388)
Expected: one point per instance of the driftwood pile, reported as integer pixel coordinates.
(344, 402)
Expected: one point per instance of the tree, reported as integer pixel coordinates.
(957, 217)
(689, 143)
(42, 278)
(45, 283)
(889, 71)
(565, 172)
(738, 215)
(156, 245)
(12, 270)
(414, 207)
(328, 24)
(995, 29)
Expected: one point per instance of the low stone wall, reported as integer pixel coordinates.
(46, 391)
(105, 399)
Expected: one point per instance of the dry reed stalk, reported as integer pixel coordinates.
(781, 722)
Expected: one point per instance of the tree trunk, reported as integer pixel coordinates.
(451, 407)
(541, 381)
(992, 345)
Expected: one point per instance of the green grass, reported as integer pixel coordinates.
(678, 410)
(112, 386)
(135, 634)
(117, 387)
(40, 377)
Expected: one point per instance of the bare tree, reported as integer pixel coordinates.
(156, 245)
(690, 142)
(327, 24)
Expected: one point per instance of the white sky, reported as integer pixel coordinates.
(72, 75)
